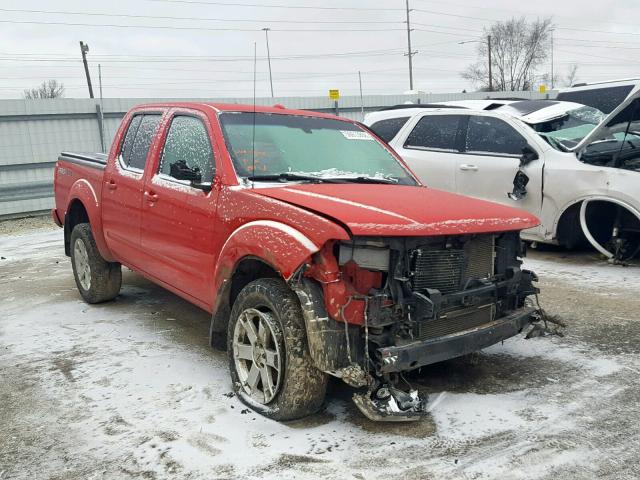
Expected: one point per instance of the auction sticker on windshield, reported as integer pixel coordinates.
(356, 135)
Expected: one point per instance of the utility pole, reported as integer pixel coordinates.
(409, 52)
(101, 109)
(552, 80)
(84, 48)
(490, 68)
(361, 98)
(266, 34)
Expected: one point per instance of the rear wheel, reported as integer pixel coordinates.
(271, 368)
(97, 280)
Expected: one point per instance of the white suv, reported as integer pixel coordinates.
(575, 168)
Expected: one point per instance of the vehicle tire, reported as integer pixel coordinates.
(271, 368)
(97, 280)
(569, 233)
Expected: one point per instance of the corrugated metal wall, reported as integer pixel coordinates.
(34, 132)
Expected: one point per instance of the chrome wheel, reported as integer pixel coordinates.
(257, 354)
(81, 260)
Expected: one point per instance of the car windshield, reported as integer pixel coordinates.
(566, 131)
(280, 147)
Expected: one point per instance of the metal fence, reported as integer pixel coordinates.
(34, 132)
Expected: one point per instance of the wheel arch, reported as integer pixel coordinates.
(83, 206)
(562, 227)
(259, 249)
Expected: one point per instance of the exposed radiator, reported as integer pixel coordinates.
(439, 269)
(446, 270)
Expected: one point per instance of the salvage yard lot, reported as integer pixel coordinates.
(130, 389)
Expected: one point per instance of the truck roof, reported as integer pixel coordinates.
(239, 107)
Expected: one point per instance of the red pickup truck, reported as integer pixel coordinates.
(311, 243)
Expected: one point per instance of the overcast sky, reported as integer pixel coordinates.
(206, 49)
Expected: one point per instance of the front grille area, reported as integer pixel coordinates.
(455, 322)
(439, 269)
(447, 269)
(479, 253)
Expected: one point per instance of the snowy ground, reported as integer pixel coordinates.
(130, 389)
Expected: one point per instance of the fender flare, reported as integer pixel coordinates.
(277, 244)
(83, 192)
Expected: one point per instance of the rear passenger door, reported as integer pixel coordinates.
(123, 185)
(491, 158)
(178, 221)
(432, 147)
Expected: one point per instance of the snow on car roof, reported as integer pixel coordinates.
(538, 111)
(486, 104)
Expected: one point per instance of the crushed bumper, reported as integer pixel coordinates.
(419, 354)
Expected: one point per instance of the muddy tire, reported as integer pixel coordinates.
(271, 368)
(97, 280)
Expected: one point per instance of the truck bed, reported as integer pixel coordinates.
(72, 167)
(95, 160)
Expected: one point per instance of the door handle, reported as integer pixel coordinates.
(151, 196)
(467, 167)
(112, 185)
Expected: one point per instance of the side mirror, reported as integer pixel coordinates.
(205, 187)
(181, 171)
(528, 155)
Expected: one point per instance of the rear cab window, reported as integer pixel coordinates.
(389, 128)
(137, 141)
(436, 132)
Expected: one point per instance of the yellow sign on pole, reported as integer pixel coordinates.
(542, 89)
(334, 94)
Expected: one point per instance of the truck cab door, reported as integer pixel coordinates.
(179, 205)
(491, 159)
(432, 148)
(123, 184)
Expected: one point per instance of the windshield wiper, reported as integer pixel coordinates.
(292, 177)
(288, 177)
(364, 179)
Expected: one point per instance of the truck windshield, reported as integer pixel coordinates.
(568, 130)
(280, 147)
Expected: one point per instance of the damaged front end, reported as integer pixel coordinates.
(377, 307)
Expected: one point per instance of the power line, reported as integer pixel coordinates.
(222, 29)
(129, 58)
(262, 5)
(217, 29)
(162, 17)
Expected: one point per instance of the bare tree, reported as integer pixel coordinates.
(572, 74)
(517, 48)
(47, 89)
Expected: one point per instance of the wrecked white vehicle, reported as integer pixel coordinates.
(575, 168)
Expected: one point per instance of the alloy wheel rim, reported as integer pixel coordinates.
(81, 259)
(257, 355)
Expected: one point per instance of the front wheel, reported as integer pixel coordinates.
(271, 368)
(97, 280)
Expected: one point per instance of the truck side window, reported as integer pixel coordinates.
(389, 128)
(492, 135)
(435, 132)
(136, 156)
(187, 145)
(125, 152)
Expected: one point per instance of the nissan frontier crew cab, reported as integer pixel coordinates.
(314, 247)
